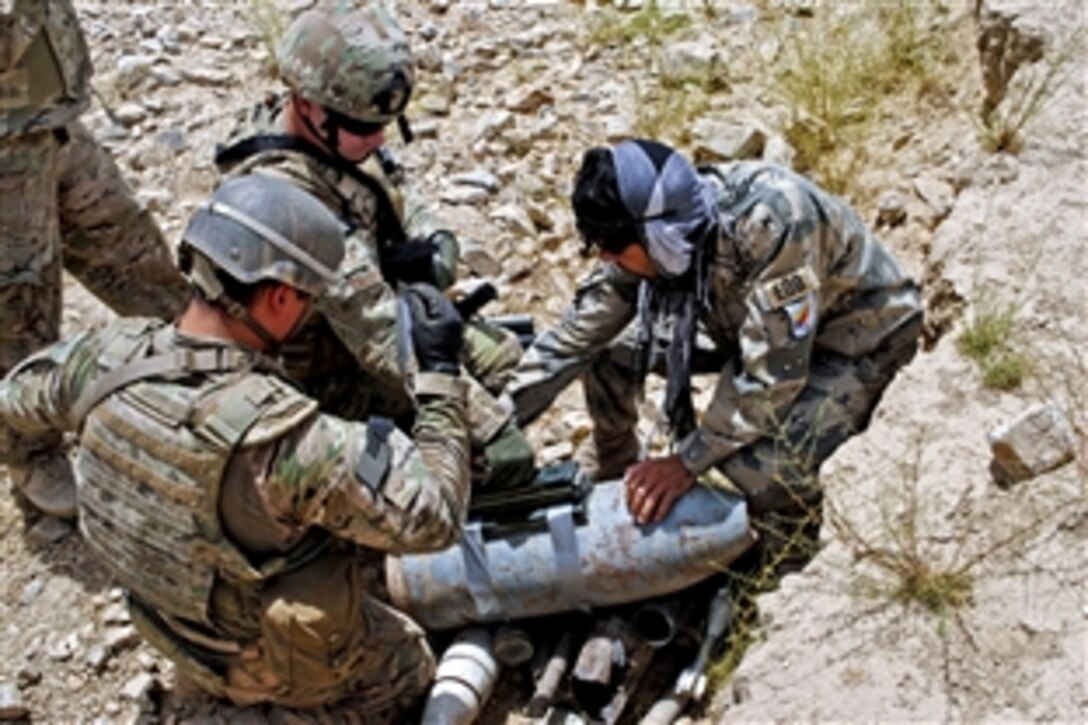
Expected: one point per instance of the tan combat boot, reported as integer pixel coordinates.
(48, 483)
(603, 458)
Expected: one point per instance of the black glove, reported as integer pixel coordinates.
(409, 262)
(432, 260)
(437, 329)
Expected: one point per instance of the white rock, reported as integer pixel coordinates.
(131, 69)
(130, 114)
(62, 650)
(12, 706)
(464, 195)
(516, 219)
(31, 591)
(138, 687)
(493, 123)
(1039, 440)
(717, 140)
(207, 76)
(479, 178)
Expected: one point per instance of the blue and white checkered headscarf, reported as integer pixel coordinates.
(666, 199)
(673, 211)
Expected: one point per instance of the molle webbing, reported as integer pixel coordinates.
(390, 229)
(172, 364)
(150, 468)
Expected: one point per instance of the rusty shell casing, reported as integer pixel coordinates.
(600, 559)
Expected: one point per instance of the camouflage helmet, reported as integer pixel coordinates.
(258, 228)
(352, 59)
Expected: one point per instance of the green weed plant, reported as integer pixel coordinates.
(650, 22)
(989, 341)
(840, 67)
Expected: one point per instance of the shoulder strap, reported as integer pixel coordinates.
(182, 361)
(390, 229)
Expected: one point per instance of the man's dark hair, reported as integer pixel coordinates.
(599, 214)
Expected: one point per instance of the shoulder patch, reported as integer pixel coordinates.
(780, 291)
(802, 316)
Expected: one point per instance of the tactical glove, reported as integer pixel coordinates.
(437, 329)
(432, 260)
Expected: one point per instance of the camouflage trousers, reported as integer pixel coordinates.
(64, 204)
(326, 643)
(778, 473)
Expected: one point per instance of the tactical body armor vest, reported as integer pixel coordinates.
(154, 451)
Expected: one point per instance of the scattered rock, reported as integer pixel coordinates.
(464, 195)
(479, 260)
(31, 591)
(97, 657)
(480, 179)
(131, 69)
(206, 76)
(1039, 440)
(116, 613)
(697, 60)
(555, 453)
(119, 639)
(49, 530)
(173, 139)
(28, 676)
(130, 114)
(717, 140)
(938, 196)
(493, 123)
(156, 200)
(891, 209)
(139, 688)
(62, 649)
(529, 99)
(516, 219)
(12, 706)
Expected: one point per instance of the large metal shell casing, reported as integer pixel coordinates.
(574, 562)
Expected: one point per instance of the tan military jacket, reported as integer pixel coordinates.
(45, 67)
(347, 356)
(293, 471)
(357, 323)
(794, 272)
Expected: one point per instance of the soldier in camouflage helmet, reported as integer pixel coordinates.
(802, 314)
(350, 74)
(249, 529)
(63, 203)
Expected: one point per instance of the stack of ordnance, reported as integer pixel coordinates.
(556, 581)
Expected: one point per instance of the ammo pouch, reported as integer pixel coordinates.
(313, 630)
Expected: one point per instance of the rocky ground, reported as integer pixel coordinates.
(510, 95)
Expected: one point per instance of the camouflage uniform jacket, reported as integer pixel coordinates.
(793, 273)
(45, 67)
(201, 487)
(357, 322)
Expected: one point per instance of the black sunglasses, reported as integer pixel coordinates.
(352, 125)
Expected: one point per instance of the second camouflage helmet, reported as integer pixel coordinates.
(351, 58)
(258, 228)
